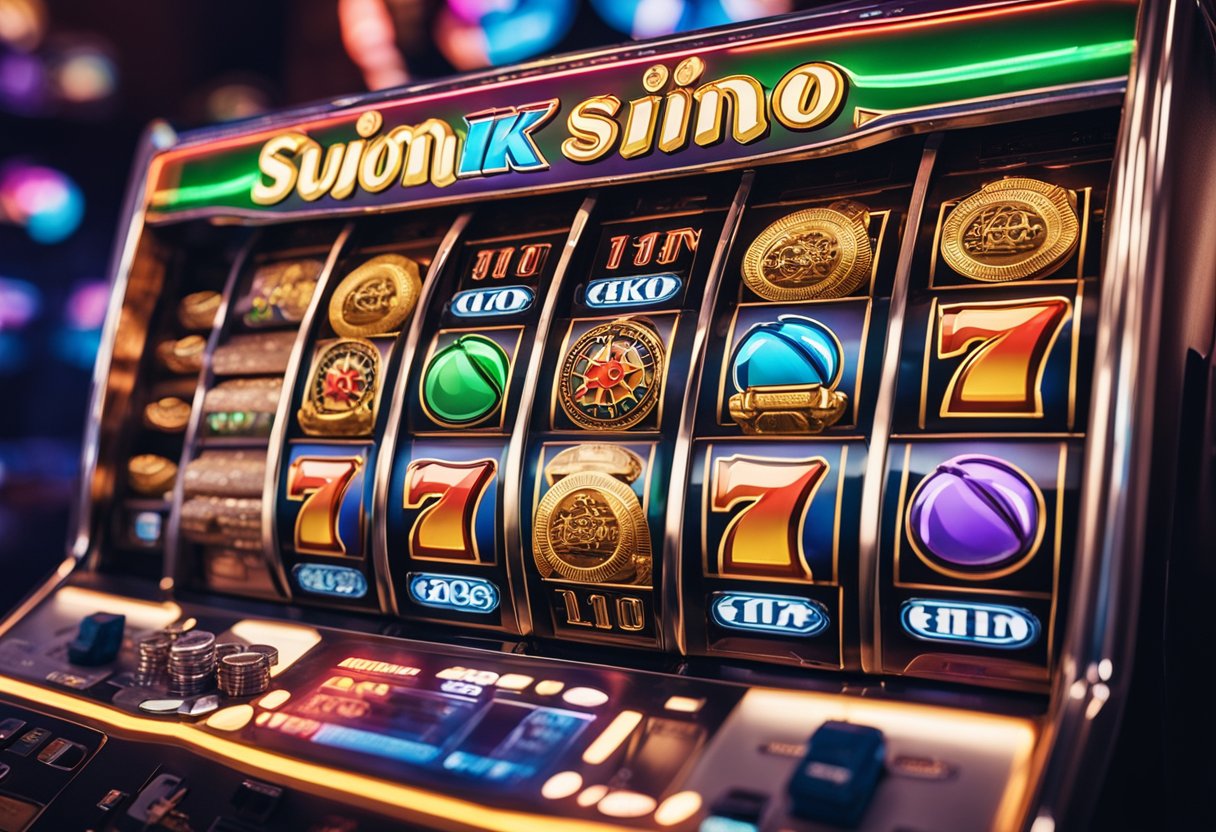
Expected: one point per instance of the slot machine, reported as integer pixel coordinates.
(786, 426)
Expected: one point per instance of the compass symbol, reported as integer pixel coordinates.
(611, 376)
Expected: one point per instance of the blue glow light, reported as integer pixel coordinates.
(987, 625)
(481, 303)
(786, 615)
(453, 592)
(379, 745)
(43, 200)
(328, 579)
(637, 290)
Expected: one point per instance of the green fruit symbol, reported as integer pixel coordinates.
(466, 380)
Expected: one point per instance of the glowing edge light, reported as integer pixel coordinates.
(402, 801)
(1000, 66)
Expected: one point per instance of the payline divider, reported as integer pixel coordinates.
(512, 480)
(870, 534)
(674, 634)
(396, 414)
(278, 429)
(172, 566)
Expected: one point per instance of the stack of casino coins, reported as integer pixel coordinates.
(192, 663)
(244, 674)
(153, 659)
(227, 648)
(270, 652)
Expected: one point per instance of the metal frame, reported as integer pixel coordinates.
(1096, 663)
(517, 446)
(408, 344)
(278, 431)
(874, 481)
(681, 455)
(129, 238)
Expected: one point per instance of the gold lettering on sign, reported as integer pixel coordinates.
(734, 106)
(411, 154)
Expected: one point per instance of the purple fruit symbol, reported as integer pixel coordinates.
(975, 512)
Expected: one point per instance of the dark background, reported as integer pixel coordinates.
(79, 81)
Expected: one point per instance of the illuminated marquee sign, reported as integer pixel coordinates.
(502, 140)
(987, 625)
(621, 114)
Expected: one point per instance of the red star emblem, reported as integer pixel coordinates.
(343, 385)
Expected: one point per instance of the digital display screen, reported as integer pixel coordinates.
(452, 725)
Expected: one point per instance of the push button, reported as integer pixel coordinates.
(98, 640)
(28, 743)
(9, 728)
(837, 777)
(63, 754)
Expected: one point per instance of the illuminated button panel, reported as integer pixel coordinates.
(523, 731)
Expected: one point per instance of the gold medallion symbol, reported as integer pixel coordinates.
(612, 375)
(1011, 230)
(341, 395)
(375, 298)
(811, 254)
(590, 526)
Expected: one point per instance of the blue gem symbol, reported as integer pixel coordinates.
(791, 350)
(987, 625)
(786, 615)
(327, 579)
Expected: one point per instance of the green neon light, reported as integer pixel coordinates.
(201, 193)
(1000, 66)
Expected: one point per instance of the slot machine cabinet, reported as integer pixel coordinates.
(781, 427)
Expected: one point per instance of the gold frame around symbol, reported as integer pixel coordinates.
(851, 232)
(644, 331)
(359, 420)
(406, 277)
(1054, 203)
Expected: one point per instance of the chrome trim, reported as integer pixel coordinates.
(517, 566)
(278, 429)
(674, 634)
(820, 22)
(408, 345)
(1092, 683)
(869, 586)
(157, 137)
(191, 445)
